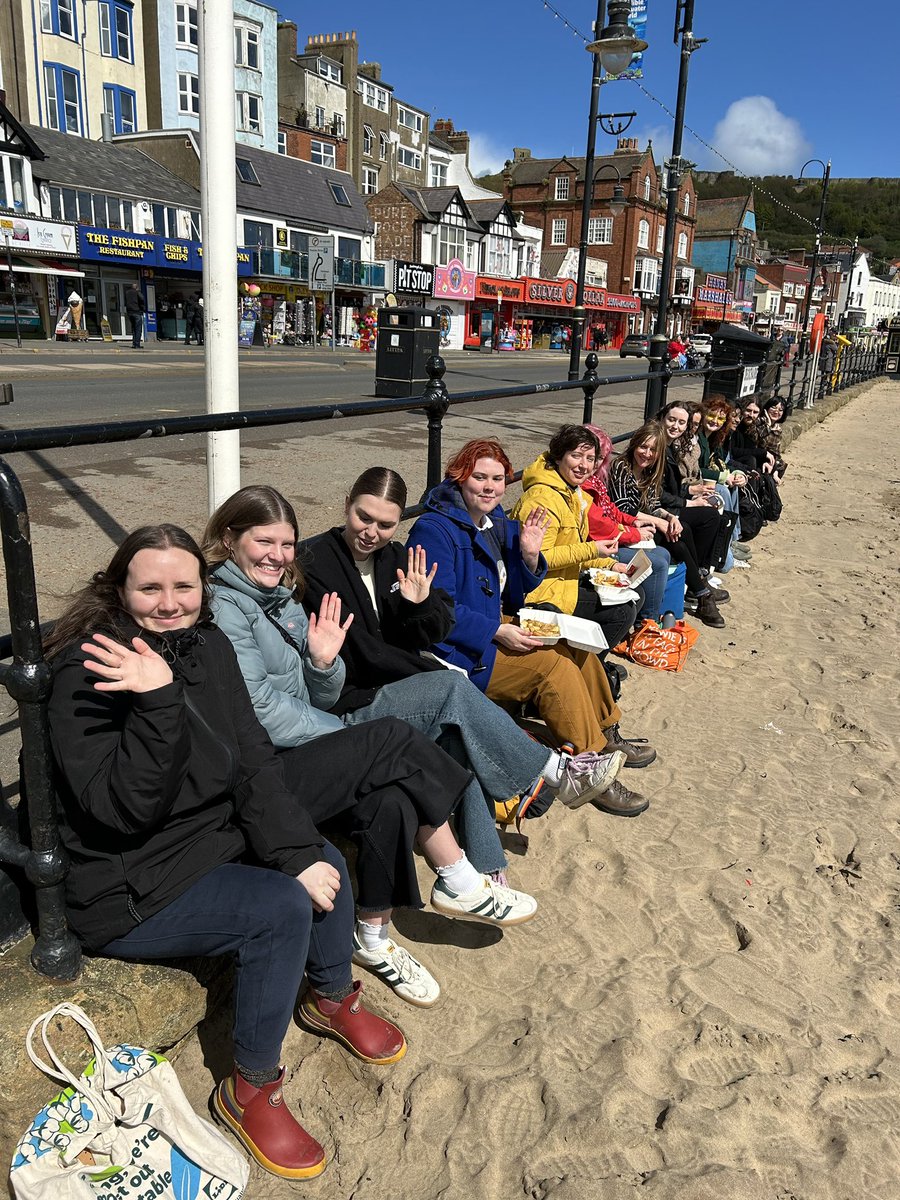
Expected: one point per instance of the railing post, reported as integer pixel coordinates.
(56, 951)
(590, 381)
(657, 388)
(437, 402)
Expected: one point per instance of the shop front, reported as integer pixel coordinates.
(412, 283)
(609, 314)
(544, 320)
(707, 316)
(454, 288)
(490, 317)
(38, 265)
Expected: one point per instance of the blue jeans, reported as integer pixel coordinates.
(654, 585)
(266, 919)
(449, 709)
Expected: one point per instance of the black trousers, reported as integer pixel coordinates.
(376, 783)
(614, 619)
(694, 548)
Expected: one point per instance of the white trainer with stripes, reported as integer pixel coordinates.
(396, 967)
(490, 903)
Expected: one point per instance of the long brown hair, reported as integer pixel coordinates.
(650, 431)
(98, 607)
(381, 482)
(256, 504)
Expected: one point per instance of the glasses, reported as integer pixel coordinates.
(716, 418)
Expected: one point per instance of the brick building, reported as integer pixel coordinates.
(549, 192)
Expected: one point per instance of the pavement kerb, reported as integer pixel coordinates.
(151, 1004)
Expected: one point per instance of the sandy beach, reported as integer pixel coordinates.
(707, 1004)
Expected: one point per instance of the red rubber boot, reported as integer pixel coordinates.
(370, 1038)
(263, 1122)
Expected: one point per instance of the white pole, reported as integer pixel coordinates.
(218, 211)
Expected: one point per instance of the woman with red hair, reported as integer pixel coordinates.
(488, 564)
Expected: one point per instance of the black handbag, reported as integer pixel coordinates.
(751, 509)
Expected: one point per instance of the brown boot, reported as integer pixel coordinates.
(261, 1119)
(708, 613)
(620, 802)
(638, 752)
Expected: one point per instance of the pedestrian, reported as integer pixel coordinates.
(193, 319)
(135, 307)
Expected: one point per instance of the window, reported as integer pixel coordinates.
(600, 231)
(646, 187)
(337, 124)
(368, 139)
(329, 70)
(687, 204)
(409, 158)
(373, 95)
(790, 312)
(800, 290)
(249, 112)
(246, 171)
(660, 238)
(562, 188)
(438, 175)
(409, 119)
(340, 195)
(682, 245)
(115, 30)
(451, 243)
(165, 220)
(646, 275)
(323, 154)
(644, 235)
(369, 181)
(787, 289)
(246, 45)
(58, 16)
(189, 94)
(186, 24)
(320, 117)
(282, 142)
(559, 235)
(258, 233)
(63, 90)
(120, 105)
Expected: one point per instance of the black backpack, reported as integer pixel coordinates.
(751, 509)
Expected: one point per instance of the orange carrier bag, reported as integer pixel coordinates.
(662, 649)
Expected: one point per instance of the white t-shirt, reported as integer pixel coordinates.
(366, 570)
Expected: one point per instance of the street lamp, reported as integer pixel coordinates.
(820, 220)
(613, 123)
(619, 202)
(675, 166)
(617, 42)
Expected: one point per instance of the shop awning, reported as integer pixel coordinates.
(40, 266)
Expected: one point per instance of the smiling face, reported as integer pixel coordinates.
(484, 488)
(577, 465)
(675, 423)
(263, 551)
(750, 413)
(162, 589)
(371, 523)
(775, 411)
(713, 421)
(645, 455)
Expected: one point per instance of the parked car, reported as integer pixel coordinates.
(701, 343)
(637, 344)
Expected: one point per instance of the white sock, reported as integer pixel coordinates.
(372, 936)
(553, 769)
(461, 877)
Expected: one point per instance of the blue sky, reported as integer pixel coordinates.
(770, 89)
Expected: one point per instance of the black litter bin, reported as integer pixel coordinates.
(407, 338)
(755, 361)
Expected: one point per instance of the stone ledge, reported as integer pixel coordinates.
(147, 1004)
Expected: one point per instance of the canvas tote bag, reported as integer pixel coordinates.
(122, 1130)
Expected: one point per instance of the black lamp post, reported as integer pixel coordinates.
(820, 220)
(613, 52)
(674, 167)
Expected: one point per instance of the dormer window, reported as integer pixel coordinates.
(562, 188)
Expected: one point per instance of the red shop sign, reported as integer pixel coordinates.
(550, 291)
(508, 289)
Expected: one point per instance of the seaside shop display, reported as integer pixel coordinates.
(454, 287)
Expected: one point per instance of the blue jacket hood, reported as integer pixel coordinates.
(445, 498)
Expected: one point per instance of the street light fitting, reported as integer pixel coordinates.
(615, 123)
(619, 201)
(617, 42)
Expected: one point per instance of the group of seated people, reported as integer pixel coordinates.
(219, 710)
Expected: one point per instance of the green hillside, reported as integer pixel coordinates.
(867, 208)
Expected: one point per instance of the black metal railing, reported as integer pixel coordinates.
(26, 678)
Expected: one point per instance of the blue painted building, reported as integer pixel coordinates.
(172, 72)
(725, 243)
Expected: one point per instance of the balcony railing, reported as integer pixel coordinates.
(272, 262)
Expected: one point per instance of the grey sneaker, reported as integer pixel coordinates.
(490, 903)
(588, 775)
(399, 970)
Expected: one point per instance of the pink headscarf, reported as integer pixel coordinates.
(601, 471)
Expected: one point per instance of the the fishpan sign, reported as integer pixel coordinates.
(321, 263)
(413, 278)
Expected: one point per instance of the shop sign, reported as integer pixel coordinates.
(710, 295)
(454, 281)
(713, 312)
(413, 278)
(146, 250)
(550, 291)
(611, 301)
(719, 282)
(43, 237)
(505, 289)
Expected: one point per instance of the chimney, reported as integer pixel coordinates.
(106, 127)
(459, 140)
(626, 145)
(371, 71)
(521, 154)
(442, 126)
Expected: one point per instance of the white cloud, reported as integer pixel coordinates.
(484, 155)
(759, 139)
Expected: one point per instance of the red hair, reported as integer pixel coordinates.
(462, 464)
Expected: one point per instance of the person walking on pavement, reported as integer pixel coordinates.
(193, 319)
(135, 307)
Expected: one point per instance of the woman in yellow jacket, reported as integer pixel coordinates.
(552, 482)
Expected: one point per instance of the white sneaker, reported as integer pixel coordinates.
(490, 903)
(742, 564)
(588, 775)
(399, 970)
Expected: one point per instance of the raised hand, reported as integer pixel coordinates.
(134, 668)
(531, 534)
(415, 584)
(322, 883)
(326, 633)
